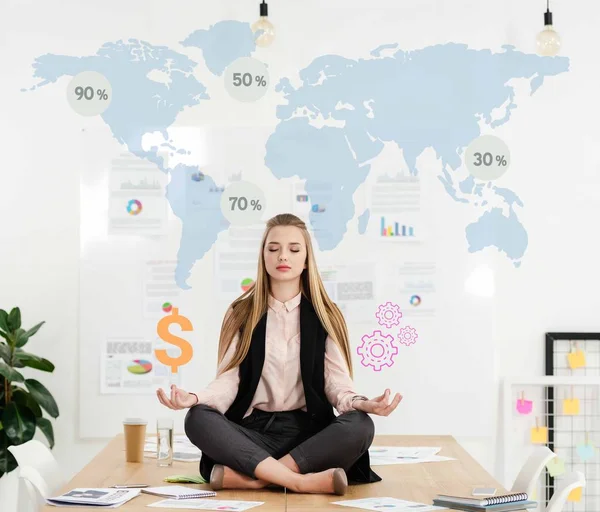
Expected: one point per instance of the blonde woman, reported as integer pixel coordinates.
(284, 364)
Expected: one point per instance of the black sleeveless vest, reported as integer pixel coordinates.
(312, 367)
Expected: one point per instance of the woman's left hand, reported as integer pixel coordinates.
(379, 405)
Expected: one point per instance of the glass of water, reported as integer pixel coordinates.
(164, 442)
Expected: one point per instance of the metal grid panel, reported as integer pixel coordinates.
(566, 432)
(568, 435)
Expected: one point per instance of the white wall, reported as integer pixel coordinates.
(554, 289)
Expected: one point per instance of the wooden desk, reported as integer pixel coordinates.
(414, 482)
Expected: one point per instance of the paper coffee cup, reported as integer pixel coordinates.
(135, 437)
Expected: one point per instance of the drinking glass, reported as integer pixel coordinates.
(164, 442)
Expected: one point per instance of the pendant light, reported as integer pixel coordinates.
(264, 28)
(548, 40)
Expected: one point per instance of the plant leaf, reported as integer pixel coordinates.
(42, 396)
(22, 397)
(19, 423)
(7, 461)
(5, 352)
(46, 427)
(4, 321)
(39, 363)
(34, 329)
(14, 319)
(5, 336)
(21, 337)
(10, 373)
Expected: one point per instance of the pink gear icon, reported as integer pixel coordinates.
(377, 350)
(407, 335)
(388, 314)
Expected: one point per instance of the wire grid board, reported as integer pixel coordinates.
(529, 403)
(559, 347)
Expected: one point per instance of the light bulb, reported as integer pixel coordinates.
(548, 41)
(264, 27)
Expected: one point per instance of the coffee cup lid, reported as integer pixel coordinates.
(134, 421)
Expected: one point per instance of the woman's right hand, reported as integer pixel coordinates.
(179, 399)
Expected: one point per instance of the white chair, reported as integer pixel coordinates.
(532, 469)
(567, 484)
(39, 471)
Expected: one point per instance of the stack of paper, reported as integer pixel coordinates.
(385, 455)
(96, 497)
(183, 449)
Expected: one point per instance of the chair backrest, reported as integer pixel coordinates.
(39, 469)
(567, 484)
(532, 469)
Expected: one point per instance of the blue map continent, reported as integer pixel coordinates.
(429, 98)
(142, 105)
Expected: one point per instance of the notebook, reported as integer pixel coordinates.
(178, 492)
(485, 502)
(500, 507)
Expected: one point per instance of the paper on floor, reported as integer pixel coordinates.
(198, 504)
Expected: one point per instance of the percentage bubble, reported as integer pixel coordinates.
(242, 203)
(246, 79)
(89, 93)
(487, 157)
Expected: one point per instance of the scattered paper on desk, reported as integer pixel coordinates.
(539, 435)
(388, 455)
(388, 504)
(576, 359)
(556, 466)
(571, 406)
(413, 452)
(96, 497)
(389, 461)
(198, 504)
(575, 495)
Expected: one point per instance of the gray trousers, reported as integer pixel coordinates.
(263, 434)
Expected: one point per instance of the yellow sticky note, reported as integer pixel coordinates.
(539, 435)
(576, 359)
(575, 495)
(571, 406)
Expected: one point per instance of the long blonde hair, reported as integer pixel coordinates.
(246, 311)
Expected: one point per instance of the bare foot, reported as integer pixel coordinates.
(234, 480)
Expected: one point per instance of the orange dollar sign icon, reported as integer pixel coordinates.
(163, 331)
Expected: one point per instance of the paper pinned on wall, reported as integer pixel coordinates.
(571, 406)
(575, 495)
(556, 467)
(524, 406)
(539, 435)
(576, 358)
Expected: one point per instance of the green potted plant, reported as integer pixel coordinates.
(21, 399)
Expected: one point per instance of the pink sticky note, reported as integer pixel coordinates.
(524, 406)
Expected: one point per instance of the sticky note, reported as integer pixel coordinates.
(539, 435)
(585, 451)
(524, 406)
(576, 359)
(575, 495)
(571, 406)
(556, 466)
